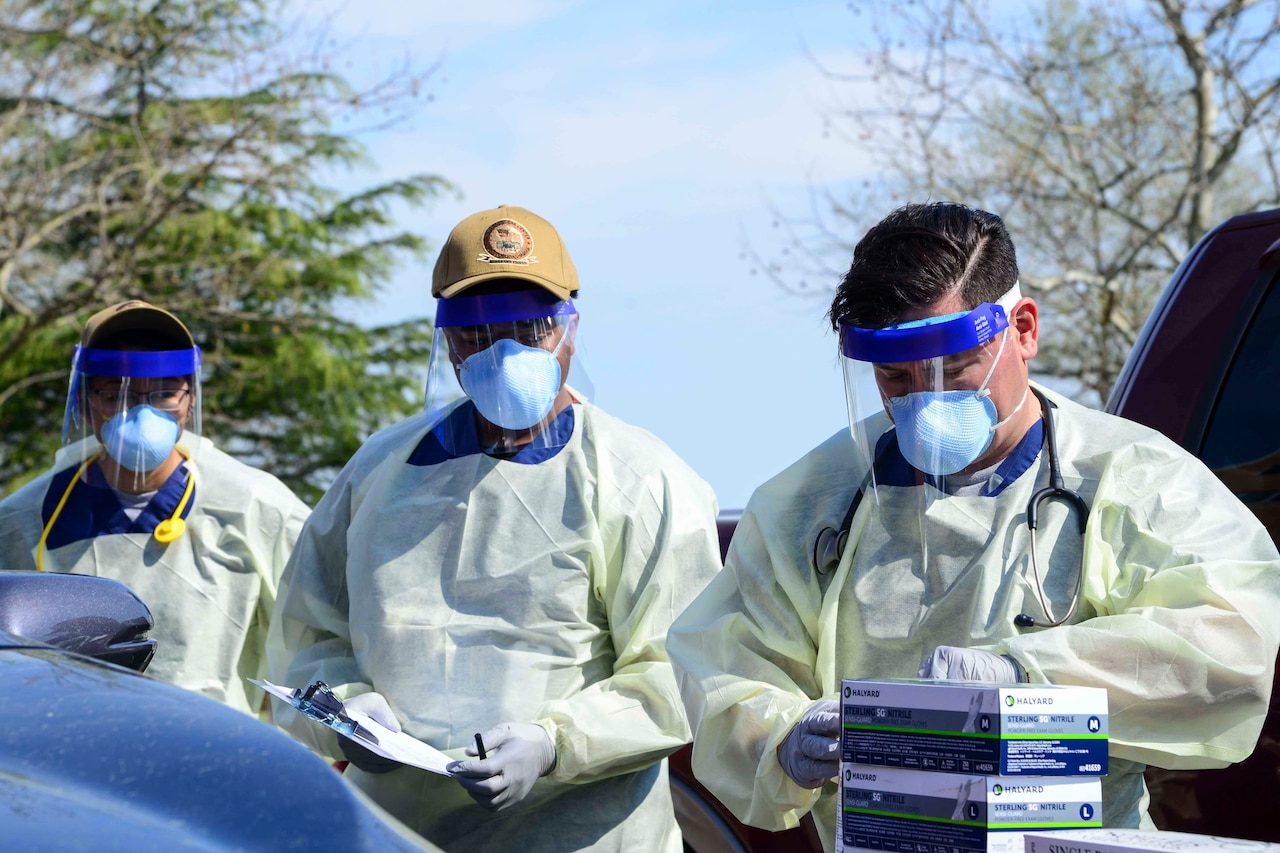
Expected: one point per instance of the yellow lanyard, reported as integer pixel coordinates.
(166, 531)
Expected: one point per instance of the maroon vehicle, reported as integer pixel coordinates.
(1205, 372)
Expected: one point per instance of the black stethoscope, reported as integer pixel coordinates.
(828, 547)
(1055, 489)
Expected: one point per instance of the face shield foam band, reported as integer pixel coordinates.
(1011, 298)
(137, 364)
(500, 308)
(931, 337)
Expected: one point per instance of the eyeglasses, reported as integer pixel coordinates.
(531, 333)
(165, 399)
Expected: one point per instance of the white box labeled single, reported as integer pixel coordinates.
(891, 809)
(972, 727)
(1136, 841)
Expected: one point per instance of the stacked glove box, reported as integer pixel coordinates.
(964, 767)
(1137, 841)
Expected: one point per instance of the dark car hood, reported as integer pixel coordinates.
(94, 757)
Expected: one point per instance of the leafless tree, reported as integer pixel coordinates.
(1109, 135)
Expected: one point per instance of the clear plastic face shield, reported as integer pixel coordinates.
(130, 408)
(502, 372)
(932, 378)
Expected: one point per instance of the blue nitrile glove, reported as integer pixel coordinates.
(810, 753)
(375, 707)
(518, 754)
(957, 664)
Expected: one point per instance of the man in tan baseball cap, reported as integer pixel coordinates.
(510, 561)
(140, 496)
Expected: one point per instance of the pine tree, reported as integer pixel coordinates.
(174, 151)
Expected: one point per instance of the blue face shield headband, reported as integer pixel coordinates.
(136, 364)
(939, 431)
(132, 364)
(932, 337)
(500, 308)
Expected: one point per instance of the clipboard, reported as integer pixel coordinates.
(319, 704)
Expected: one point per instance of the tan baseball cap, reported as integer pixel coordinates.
(135, 316)
(506, 242)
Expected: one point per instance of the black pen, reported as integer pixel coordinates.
(480, 747)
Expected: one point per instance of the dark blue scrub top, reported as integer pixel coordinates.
(461, 425)
(92, 508)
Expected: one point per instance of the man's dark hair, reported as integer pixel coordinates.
(920, 253)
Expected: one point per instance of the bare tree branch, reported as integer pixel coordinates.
(1110, 136)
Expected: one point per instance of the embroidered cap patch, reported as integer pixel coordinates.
(507, 242)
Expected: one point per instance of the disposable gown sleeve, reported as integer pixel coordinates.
(659, 550)
(280, 516)
(21, 525)
(1185, 585)
(746, 655)
(310, 637)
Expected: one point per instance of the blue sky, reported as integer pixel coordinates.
(655, 138)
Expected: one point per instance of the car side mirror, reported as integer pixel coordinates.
(97, 617)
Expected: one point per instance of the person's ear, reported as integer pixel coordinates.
(189, 406)
(1024, 321)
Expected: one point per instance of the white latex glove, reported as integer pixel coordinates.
(810, 753)
(374, 706)
(518, 755)
(957, 664)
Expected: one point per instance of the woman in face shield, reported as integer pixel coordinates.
(134, 396)
(968, 524)
(139, 495)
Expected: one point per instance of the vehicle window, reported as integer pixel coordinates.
(1242, 444)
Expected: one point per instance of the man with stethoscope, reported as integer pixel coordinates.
(970, 525)
(140, 496)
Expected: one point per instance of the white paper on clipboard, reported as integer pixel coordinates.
(397, 746)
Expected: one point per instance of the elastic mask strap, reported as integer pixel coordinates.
(1006, 302)
(983, 390)
(570, 330)
(1015, 410)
